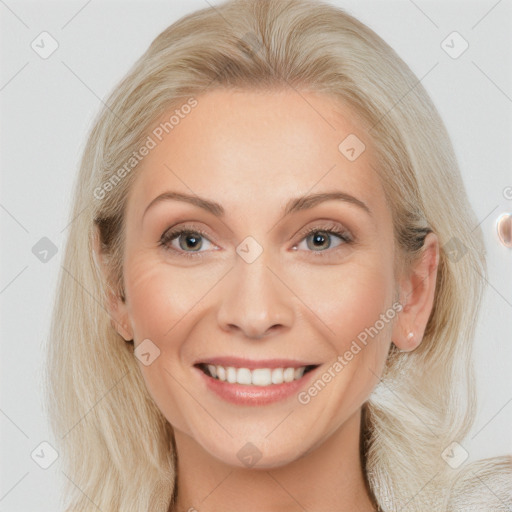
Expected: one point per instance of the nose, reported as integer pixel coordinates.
(256, 301)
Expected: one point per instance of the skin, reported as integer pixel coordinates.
(251, 151)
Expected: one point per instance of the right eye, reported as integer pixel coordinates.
(185, 238)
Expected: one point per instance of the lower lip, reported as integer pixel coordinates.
(242, 394)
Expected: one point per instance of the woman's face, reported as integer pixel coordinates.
(249, 282)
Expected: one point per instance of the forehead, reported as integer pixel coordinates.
(246, 147)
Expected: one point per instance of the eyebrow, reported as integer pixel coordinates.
(293, 205)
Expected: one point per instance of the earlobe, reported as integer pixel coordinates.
(115, 306)
(407, 343)
(417, 296)
(122, 329)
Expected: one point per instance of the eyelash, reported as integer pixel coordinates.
(330, 229)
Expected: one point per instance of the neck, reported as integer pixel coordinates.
(328, 477)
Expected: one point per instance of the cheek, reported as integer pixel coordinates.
(355, 302)
(152, 314)
(364, 294)
(349, 298)
(159, 297)
(147, 301)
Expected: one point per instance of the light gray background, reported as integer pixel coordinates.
(47, 107)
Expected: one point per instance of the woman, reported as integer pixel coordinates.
(260, 308)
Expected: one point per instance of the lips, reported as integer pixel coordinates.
(257, 386)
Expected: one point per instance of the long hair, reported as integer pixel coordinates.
(117, 448)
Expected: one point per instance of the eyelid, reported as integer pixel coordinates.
(333, 227)
(178, 229)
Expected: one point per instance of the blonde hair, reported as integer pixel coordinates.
(117, 447)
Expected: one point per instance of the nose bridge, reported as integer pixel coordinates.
(255, 300)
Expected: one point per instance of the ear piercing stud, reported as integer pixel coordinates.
(409, 337)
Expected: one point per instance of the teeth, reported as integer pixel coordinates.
(213, 370)
(289, 374)
(243, 376)
(277, 376)
(221, 373)
(231, 375)
(298, 373)
(257, 377)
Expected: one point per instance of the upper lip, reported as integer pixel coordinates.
(251, 364)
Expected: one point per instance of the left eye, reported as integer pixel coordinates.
(320, 239)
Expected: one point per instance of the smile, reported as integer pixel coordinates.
(263, 383)
(255, 377)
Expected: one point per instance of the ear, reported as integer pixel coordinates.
(417, 290)
(115, 305)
